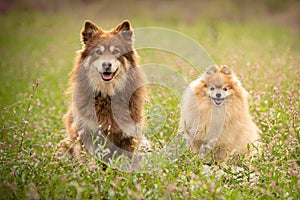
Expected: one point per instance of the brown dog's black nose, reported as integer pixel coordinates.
(106, 65)
(218, 95)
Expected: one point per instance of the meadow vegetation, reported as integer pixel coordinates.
(37, 53)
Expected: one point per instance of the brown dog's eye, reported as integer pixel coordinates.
(225, 89)
(115, 51)
(99, 52)
(212, 88)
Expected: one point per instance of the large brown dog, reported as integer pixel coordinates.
(108, 90)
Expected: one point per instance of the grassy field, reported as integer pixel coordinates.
(37, 53)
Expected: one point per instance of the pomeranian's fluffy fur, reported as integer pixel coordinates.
(215, 114)
(108, 93)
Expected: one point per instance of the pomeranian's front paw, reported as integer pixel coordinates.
(204, 150)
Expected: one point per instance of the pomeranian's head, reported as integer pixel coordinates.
(221, 84)
(107, 55)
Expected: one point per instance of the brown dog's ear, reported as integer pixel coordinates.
(125, 29)
(123, 26)
(226, 70)
(88, 31)
(213, 69)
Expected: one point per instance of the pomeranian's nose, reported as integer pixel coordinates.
(218, 95)
(106, 65)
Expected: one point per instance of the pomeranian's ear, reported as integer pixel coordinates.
(226, 70)
(212, 70)
(125, 29)
(88, 31)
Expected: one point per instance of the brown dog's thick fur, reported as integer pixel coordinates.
(215, 113)
(108, 93)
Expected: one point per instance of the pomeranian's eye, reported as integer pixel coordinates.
(99, 52)
(115, 51)
(211, 88)
(225, 88)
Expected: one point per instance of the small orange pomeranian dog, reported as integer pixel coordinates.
(215, 114)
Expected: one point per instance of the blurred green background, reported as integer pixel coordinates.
(41, 36)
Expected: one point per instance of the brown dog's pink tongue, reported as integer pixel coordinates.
(107, 76)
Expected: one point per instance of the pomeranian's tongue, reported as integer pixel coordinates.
(107, 76)
(218, 101)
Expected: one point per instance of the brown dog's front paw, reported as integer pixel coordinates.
(65, 148)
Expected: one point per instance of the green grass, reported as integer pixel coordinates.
(42, 47)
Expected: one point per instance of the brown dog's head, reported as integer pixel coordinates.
(107, 55)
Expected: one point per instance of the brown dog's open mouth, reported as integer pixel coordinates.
(218, 101)
(108, 76)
